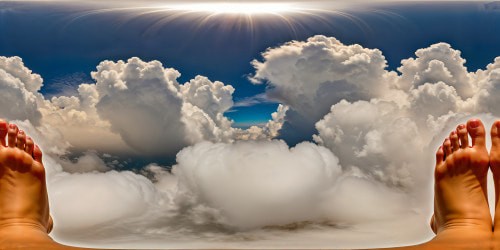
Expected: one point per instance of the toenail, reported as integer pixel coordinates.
(474, 123)
(461, 126)
(453, 132)
(12, 126)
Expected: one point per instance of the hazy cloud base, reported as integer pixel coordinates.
(366, 176)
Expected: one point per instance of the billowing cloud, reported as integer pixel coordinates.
(213, 97)
(255, 184)
(139, 107)
(486, 98)
(436, 90)
(135, 91)
(18, 90)
(439, 62)
(313, 75)
(203, 109)
(367, 135)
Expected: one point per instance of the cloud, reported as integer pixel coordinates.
(313, 75)
(368, 136)
(89, 162)
(203, 109)
(138, 107)
(76, 118)
(387, 137)
(435, 90)
(270, 183)
(373, 201)
(135, 91)
(489, 86)
(213, 97)
(272, 186)
(120, 195)
(18, 90)
(310, 76)
(439, 62)
(253, 100)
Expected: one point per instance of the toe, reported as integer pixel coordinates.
(440, 168)
(12, 132)
(447, 147)
(477, 133)
(29, 145)
(495, 134)
(37, 154)
(21, 140)
(463, 136)
(439, 156)
(455, 145)
(4, 127)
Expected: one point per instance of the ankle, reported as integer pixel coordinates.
(20, 231)
(464, 234)
(481, 225)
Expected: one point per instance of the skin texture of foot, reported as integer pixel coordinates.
(24, 207)
(495, 168)
(461, 212)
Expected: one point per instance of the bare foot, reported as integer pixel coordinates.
(461, 212)
(24, 205)
(23, 194)
(495, 168)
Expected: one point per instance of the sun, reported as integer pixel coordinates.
(235, 8)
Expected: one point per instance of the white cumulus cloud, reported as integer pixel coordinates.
(255, 184)
(18, 90)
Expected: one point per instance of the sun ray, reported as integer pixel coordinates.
(252, 18)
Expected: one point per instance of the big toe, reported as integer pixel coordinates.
(495, 134)
(477, 133)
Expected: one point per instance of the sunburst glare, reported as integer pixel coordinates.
(224, 15)
(236, 8)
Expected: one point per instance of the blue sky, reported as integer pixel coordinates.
(65, 42)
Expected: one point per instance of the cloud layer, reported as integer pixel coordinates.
(374, 132)
(255, 197)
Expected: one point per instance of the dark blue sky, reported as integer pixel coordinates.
(65, 42)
